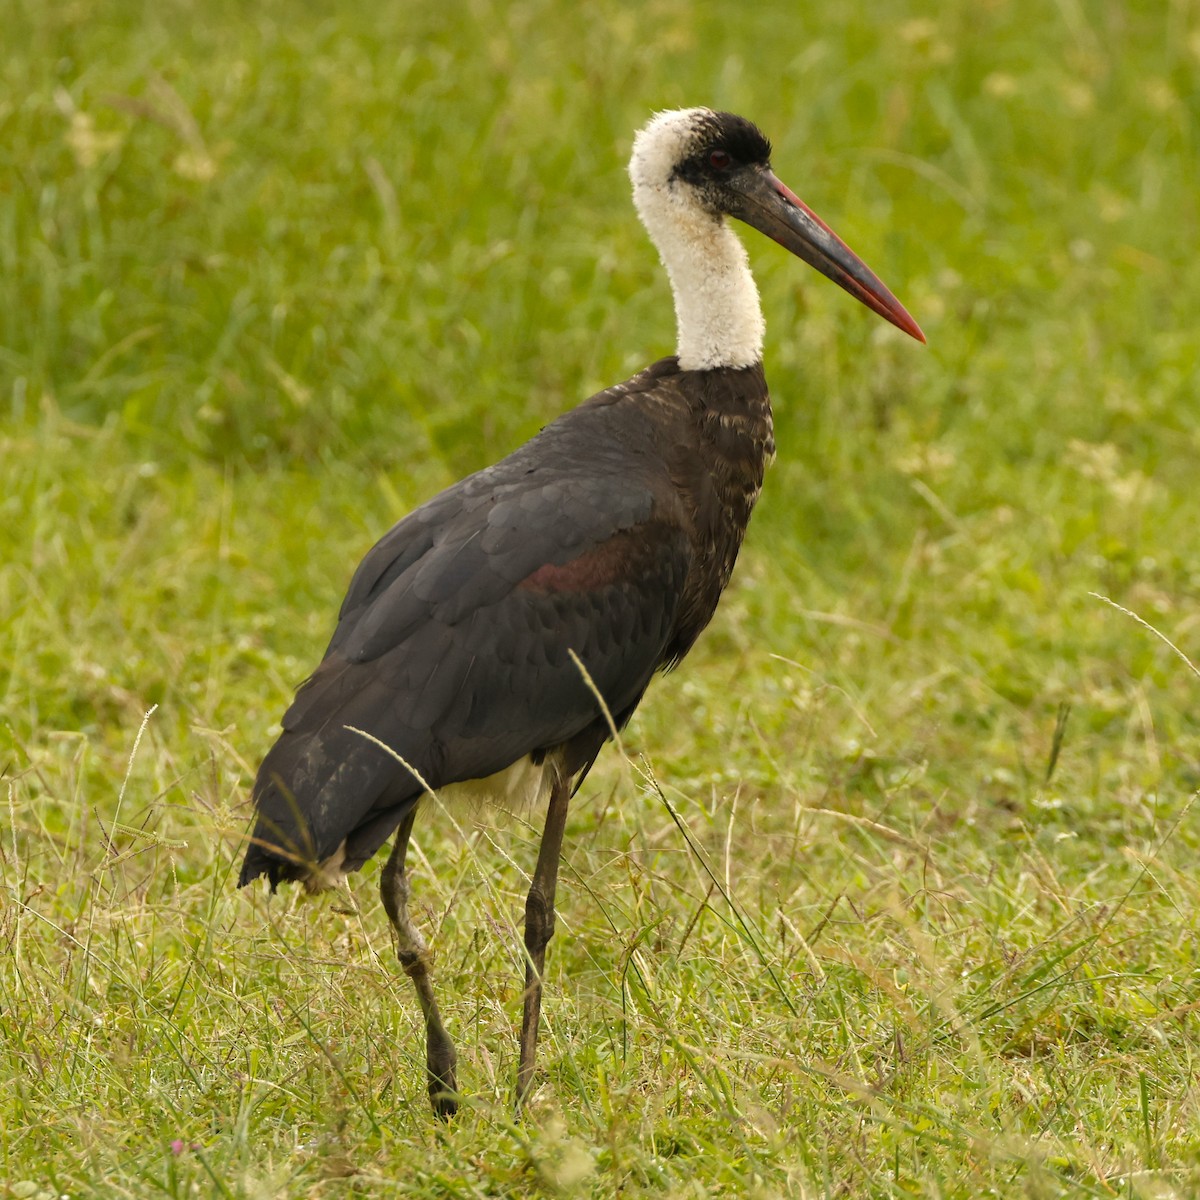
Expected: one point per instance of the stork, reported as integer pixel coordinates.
(479, 633)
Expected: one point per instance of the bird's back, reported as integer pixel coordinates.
(605, 542)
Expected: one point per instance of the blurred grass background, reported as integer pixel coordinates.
(271, 275)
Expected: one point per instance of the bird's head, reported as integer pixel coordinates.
(693, 167)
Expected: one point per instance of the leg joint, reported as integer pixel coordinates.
(539, 919)
(413, 962)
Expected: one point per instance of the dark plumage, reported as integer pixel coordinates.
(601, 546)
(612, 533)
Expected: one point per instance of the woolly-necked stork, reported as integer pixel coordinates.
(475, 636)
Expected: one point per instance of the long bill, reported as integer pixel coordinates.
(772, 208)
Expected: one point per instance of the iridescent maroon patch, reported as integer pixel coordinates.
(593, 569)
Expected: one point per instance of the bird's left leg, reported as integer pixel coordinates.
(539, 928)
(440, 1057)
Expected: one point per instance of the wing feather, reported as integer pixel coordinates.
(454, 648)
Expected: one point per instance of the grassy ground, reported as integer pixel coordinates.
(896, 893)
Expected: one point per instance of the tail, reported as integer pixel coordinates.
(326, 801)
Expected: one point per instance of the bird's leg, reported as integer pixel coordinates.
(440, 1057)
(539, 928)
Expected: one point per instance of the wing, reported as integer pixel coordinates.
(454, 644)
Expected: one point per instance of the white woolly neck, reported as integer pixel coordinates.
(717, 313)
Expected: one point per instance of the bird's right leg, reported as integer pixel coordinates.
(539, 929)
(413, 953)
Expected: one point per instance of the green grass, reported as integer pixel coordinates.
(912, 908)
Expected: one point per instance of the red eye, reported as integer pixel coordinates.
(720, 159)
